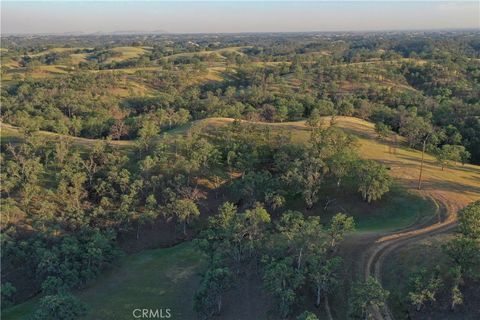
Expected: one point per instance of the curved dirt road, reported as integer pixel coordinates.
(383, 246)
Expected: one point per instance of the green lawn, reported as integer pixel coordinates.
(397, 209)
(152, 279)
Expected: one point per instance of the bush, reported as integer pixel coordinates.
(59, 307)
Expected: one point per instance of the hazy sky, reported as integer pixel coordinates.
(234, 16)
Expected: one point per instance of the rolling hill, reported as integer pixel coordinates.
(451, 188)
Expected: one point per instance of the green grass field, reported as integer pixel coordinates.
(398, 209)
(152, 279)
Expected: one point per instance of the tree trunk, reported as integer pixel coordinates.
(299, 260)
(333, 243)
(421, 166)
(317, 303)
(219, 304)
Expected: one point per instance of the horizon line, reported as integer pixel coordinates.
(159, 32)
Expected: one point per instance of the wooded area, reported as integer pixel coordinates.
(253, 194)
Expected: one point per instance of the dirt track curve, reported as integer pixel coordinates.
(383, 246)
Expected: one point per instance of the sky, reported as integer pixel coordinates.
(29, 17)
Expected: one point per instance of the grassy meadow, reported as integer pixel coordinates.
(159, 278)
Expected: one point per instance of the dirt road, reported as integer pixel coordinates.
(364, 255)
(380, 250)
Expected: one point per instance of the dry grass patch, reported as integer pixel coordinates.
(127, 53)
(217, 53)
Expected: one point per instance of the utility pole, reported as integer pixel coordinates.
(421, 163)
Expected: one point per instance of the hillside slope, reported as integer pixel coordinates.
(364, 253)
(456, 185)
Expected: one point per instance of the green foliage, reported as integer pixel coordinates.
(457, 297)
(282, 280)
(340, 225)
(307, 315)
(257, 186)
(299, 250)
(448, 153)
(53, 285)
(7, 291)
(149, 214)
(425, 285)
(61, 307)
(345, 108)
(456, 293)
(365, 296)
(302, 235)
(464, 252)
(185, 210)
(324, 107)
(415, 129)
(383, 131)
(208, 299)
(199, 152)
(469, 220)
(323, 274)
(330, 155)
(74, 201)
(308, 173)
(464, 249)
(232, 237)
(146, 136)
(373, 180)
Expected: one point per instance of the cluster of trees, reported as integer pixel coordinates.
(276, 78)
(421, 132)
(65, 208)
(50, 58)
(75, 202)
(61, 106)
(296, 251)
(365, 298)
(292, 253)
(274, 173)
(463, 265)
